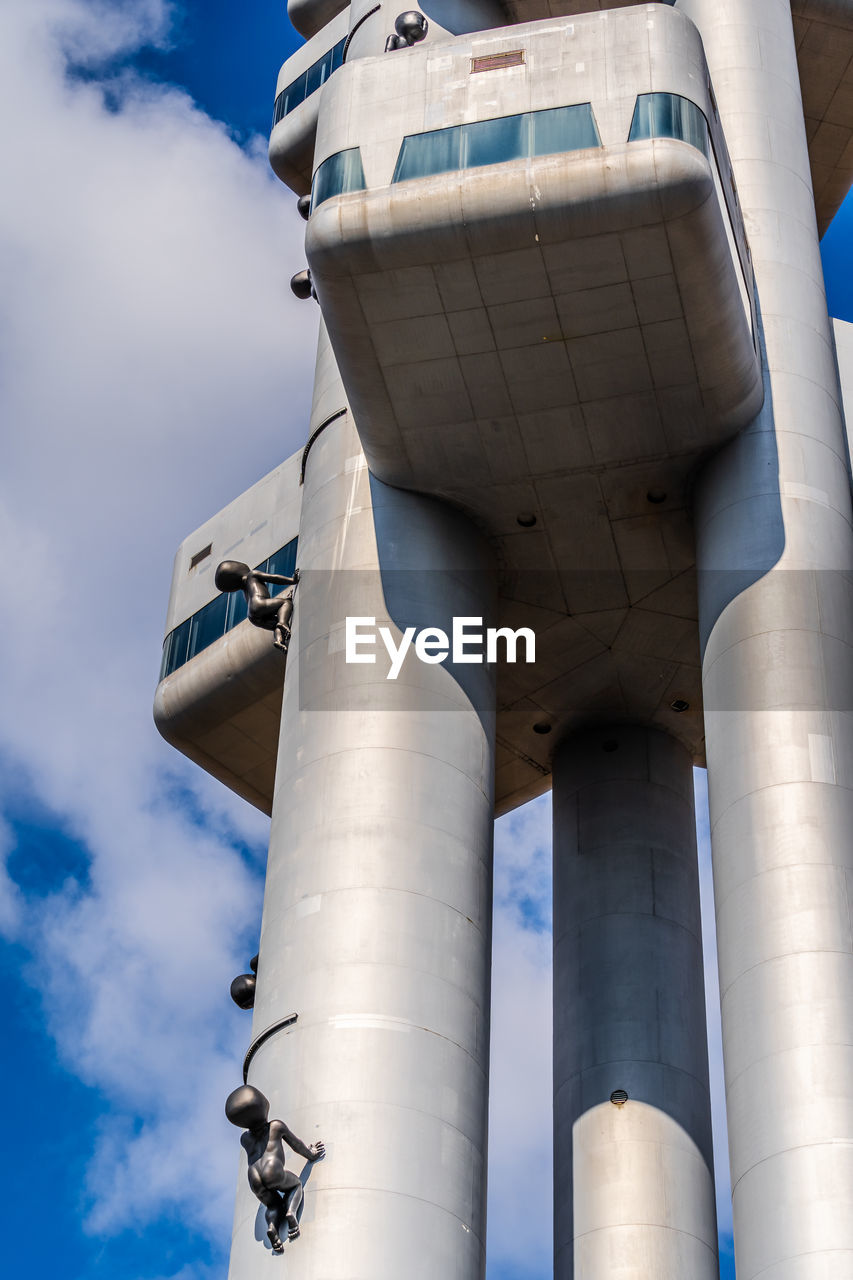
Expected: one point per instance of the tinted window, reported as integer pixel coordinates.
(493, 141)
(315, 77)
(238, 609)
(337, 175)
(469, 146)
(667, 115)
(293, 95)
(207, 625)
(175, 648)
(564, 129)
(283, 562)
(337, 56)
(425, 153)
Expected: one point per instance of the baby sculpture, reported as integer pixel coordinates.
(276, 1187)
(274, 613)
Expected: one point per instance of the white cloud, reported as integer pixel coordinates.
(195, 1271)
(520, 1166)
(151, 370)
(11, 899)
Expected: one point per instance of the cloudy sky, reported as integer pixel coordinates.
(153, 365)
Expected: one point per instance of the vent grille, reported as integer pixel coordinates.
(201, 555)
(492, 61)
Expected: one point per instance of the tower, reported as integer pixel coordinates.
(576, 378)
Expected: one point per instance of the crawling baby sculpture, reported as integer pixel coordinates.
(276, 1187)
(273, 613)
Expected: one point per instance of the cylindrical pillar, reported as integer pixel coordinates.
(633, 1180)
(377, 914)
(775, 552)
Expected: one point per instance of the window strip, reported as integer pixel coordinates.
(497, 141)
(293, 95)
(668, 115)
(337, 175)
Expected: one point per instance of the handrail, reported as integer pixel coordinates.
(262, 1039)
(360, 23)
(314, 434)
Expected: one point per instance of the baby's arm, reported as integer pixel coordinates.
(312, 1153)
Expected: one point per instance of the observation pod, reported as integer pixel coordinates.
(219, 696)
(580, 257)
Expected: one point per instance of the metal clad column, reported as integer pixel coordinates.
(776, 605)
(633, 1184)
(377, 915)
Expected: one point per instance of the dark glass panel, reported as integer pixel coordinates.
(298, 91)
(337, 175)
(423, 154)
(564, 129)
(283, 562)
(165, 669)
(237, 609)
(208, 625)
(667, 115)
(338, 55)
(293, 95)
(178, 648)
(494, 141)
(314, 77)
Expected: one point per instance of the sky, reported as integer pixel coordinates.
(153, 364)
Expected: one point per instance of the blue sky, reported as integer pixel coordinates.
(148, 325)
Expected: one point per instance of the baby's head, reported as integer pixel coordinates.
(247, 1107)
(230, 575)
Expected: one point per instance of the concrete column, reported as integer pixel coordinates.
(774, 548)
(377, 914)
(633, 1183)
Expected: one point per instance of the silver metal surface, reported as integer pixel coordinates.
(377, 913)
(633, 1176)
(279, 1025)
(775, 552)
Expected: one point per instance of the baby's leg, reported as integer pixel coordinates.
(272, 1231)
(292, 1205)
(274, 1212)
(282, 626)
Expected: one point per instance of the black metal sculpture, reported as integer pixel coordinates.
(272, 613)
(410, 28)
(302, 285)
(276, 1187)
(243, 986)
